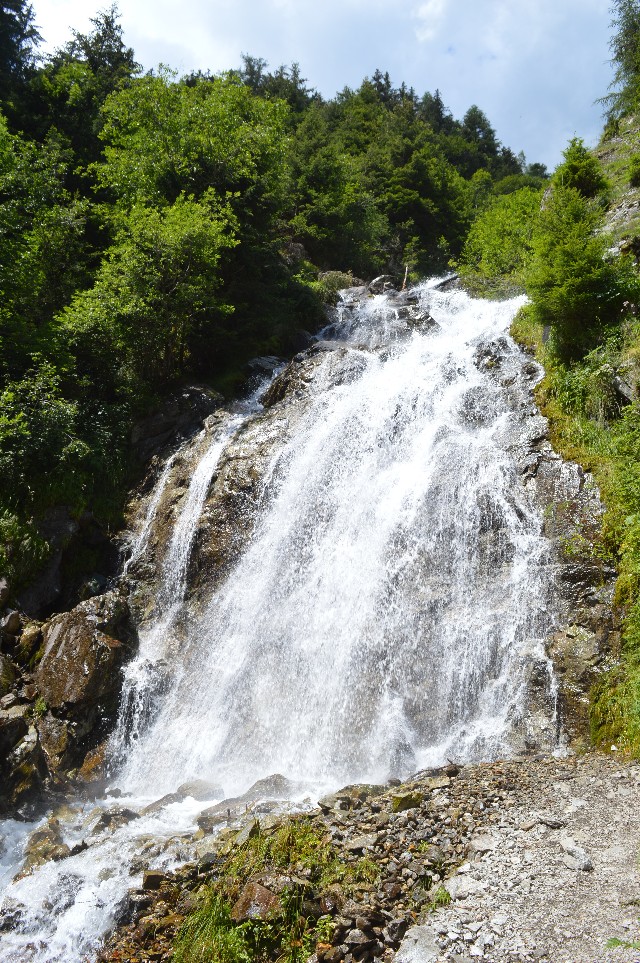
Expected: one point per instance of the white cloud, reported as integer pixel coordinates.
(430, 15)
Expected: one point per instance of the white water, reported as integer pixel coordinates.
(375, 624)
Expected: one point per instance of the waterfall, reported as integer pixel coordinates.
(390, 594)
(380, 613)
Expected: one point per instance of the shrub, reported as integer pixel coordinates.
(634, 170)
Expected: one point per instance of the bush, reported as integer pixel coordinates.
(573, 288)
(498, 245)
(634, 170)
(580, 170)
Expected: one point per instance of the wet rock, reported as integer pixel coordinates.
(255, 902)
(113, 819)
(200, 789)
(83, 652)
(153, 879)
(162, 803)
(380, 284)
(45, 845)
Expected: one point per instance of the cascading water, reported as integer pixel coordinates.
(379, 619)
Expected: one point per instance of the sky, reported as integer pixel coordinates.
(535, 67)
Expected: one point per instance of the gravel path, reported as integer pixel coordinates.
(553, 875)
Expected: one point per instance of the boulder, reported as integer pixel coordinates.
(11, 623)
(255, 902)
(418, 946)
(83, 652)
(200, 789)
(4, 592)
(44, 845)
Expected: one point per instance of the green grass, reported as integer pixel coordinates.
(289, 935)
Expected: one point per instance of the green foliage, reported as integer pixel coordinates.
(574, 289)
(287, 934)
(210, 936)
(625, 56)
(580, 171)
(440, 898)
(499, 244)
(22, 548)
(18, 39)
(634, 170)
(164, 138)
(155, 297)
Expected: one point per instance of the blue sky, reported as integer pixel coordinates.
(535, 67)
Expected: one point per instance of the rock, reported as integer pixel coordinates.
(250, 831)
(56, 738)
(575, 856)
(255, 902)
(180, 415)
(112, 819)
(83, 652)
(462, 887)
(380, 284)
(28, 644)
(162, 803)
(4, 592)
(200, 789)
(483, 844)
(8, 675)
(403, 801)
(10, 624)
(360, 843)
(22, 763)
(437, 782)
(418, 946)
(152, 879)
(264, 366)
(44, 845)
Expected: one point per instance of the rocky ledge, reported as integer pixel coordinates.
(532, 860)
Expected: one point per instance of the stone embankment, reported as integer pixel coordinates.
(530, 860)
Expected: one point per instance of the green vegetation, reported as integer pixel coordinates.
(308, 866)
(155, 229)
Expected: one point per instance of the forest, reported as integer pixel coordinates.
(156, 229)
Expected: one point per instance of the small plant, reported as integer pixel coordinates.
(39, 707)
(440, 898)
(634, 945)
